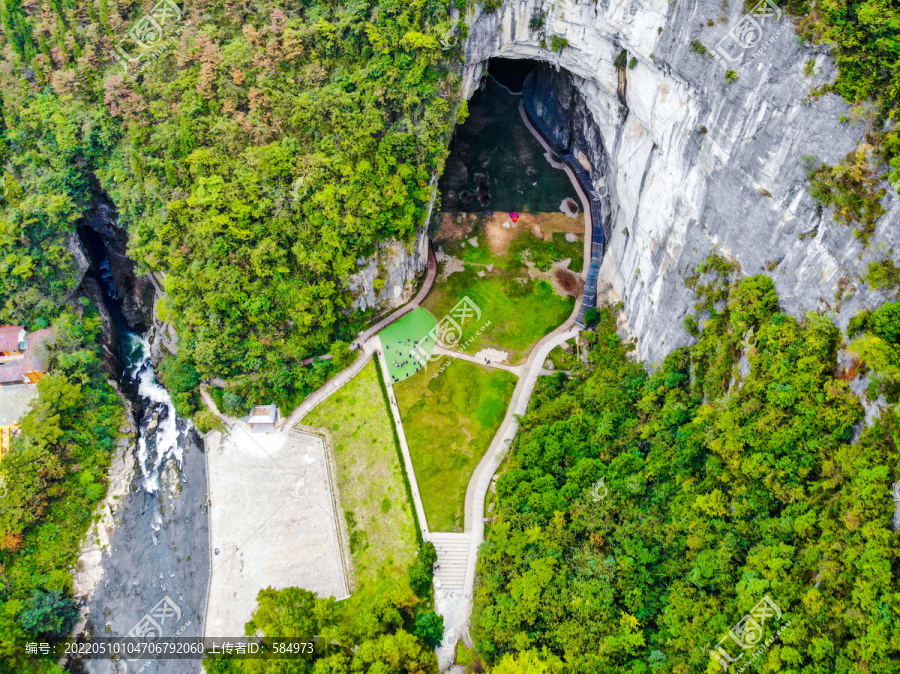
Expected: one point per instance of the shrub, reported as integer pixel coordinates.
(885, 322)
(883, 274)
(698, 47)
(341, 355)
(206, 421)
(430, 629)
(730, 76)
(621, 59)
(690, 326)
(180, 377)
(808, 69)
(234, 405)
(751, 301)
(851, 188)
(558, 43)
(421, 572)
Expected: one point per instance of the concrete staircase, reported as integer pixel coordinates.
(453, 559)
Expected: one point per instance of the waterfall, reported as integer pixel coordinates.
(160, 433)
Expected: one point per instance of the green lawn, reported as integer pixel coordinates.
(401, 337)
(545, 253)
(370, 480)
(517, 309)
(449, 422)
(514, 315)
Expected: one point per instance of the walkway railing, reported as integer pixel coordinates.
(598, 233)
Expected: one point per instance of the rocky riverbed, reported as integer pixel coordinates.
(159, 549)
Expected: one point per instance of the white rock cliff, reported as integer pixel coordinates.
(692, 164)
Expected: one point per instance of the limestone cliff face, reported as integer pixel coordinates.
(387, 278)
(687, 164)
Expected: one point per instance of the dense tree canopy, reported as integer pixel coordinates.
(644, 515)
(253, 160)
(52, 481)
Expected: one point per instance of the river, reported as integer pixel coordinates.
(156, 568)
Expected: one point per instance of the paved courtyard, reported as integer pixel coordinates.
(14, 401)
(272, 520)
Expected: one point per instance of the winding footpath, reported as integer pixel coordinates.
(368, 343)
(454, 600)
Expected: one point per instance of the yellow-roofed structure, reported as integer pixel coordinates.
(6, 433)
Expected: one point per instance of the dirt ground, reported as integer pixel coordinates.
(456, 227)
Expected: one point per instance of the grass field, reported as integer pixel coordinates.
(401, 337)
(370, 480)
(508, 275)
(519, 314)
(449, 421)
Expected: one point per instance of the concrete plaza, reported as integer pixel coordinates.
(272, 522)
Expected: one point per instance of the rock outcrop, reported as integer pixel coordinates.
(690, 164)
(387, 278)
(136, 292)
(109, 333)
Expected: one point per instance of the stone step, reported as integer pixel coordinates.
(453, 558)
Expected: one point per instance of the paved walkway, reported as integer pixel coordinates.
(585, 202)
(455, 606)
(367, 341)
(404, 446)
(330, 387)
(453, 552)
(515, 369)
(582, 181)
(457, 552)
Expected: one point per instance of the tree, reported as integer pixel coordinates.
(49, 614)
(341, 355)
(399, 652)
(430, 628)
(529, 662)
(421, 573)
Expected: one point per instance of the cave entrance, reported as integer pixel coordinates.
(511, 73)
(525, 152)
(496, 163)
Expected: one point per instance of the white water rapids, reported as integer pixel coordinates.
(166, 432)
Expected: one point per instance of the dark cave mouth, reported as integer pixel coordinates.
(495, 161)
(554, 107)
(511, 73)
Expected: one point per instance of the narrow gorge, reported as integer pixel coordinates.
(151, 537)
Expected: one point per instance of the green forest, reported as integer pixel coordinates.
(253, 157)
(53, 480)
(253, 162)
(641, 516)
(254, 153)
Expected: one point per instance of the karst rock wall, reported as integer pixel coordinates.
(690, 164)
